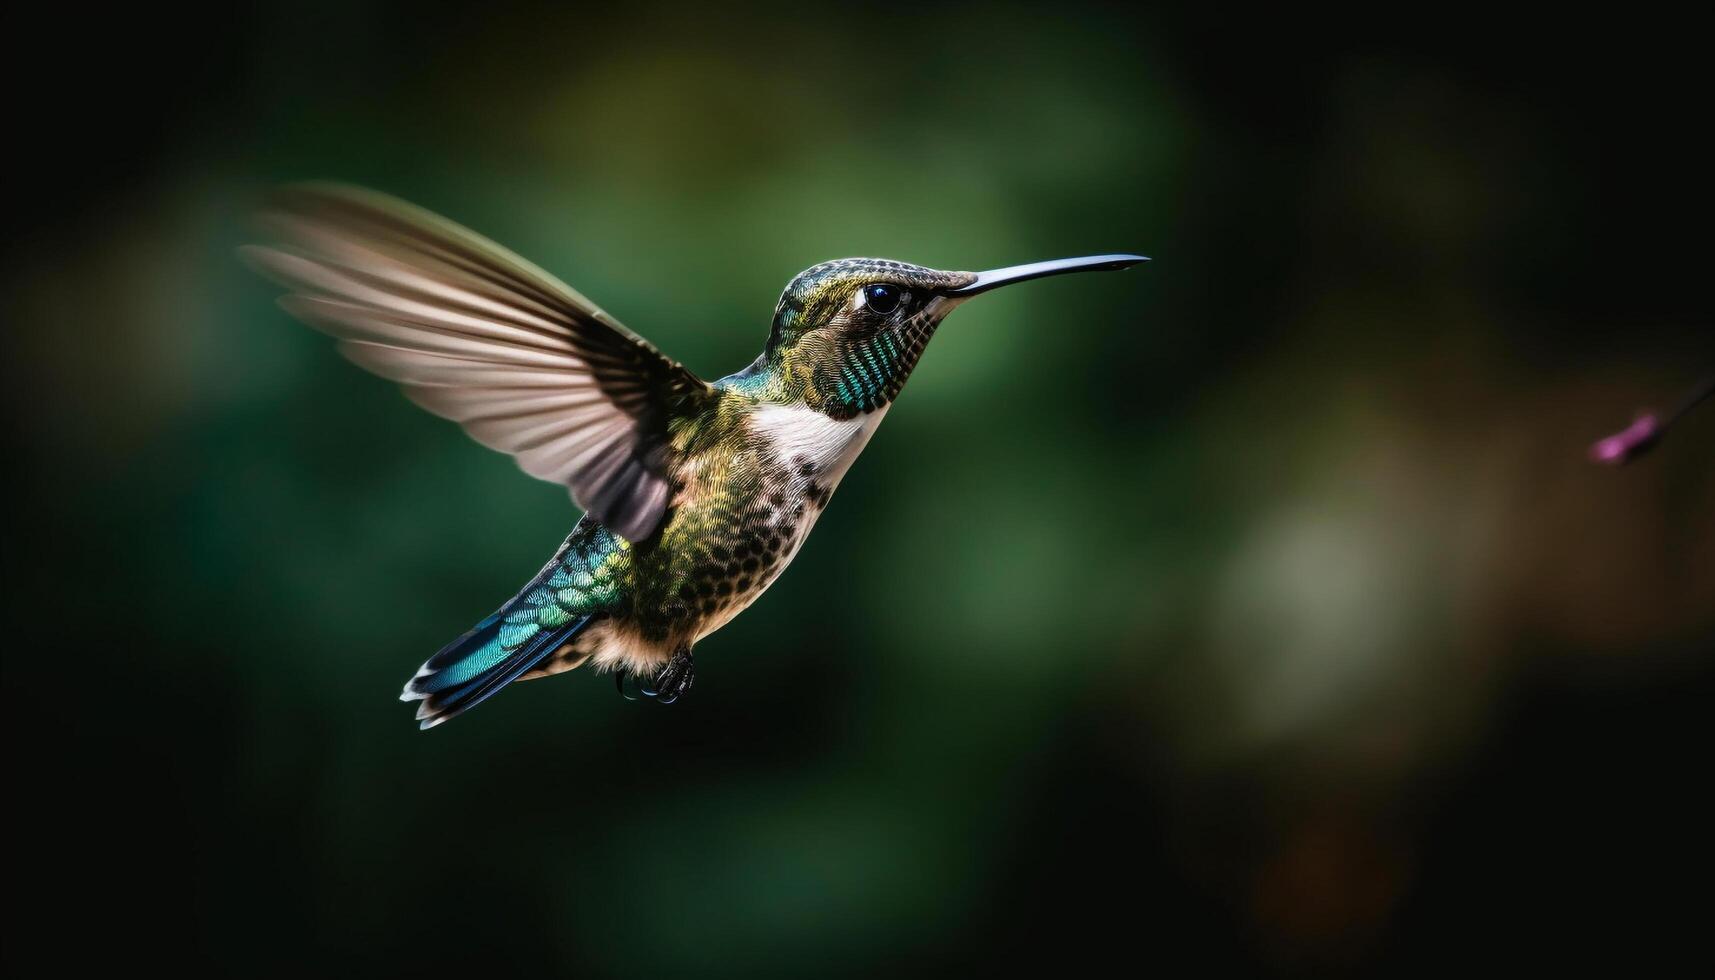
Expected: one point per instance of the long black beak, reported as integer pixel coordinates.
(1037, 270)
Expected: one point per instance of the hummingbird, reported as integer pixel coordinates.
(696, 494)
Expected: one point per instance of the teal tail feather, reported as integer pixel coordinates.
(493, 654)
(575, 589)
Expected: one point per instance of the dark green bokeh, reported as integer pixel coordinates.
(1254, 607)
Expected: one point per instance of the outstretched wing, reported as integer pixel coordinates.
(478, 335)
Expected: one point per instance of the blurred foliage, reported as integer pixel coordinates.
(1190, 612)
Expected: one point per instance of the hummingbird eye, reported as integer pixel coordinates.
(881, 297)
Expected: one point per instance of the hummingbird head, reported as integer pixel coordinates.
(847, 333)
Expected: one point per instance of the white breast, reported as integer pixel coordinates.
(828, 445)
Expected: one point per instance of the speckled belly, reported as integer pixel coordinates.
(720, 551)
(737, 519)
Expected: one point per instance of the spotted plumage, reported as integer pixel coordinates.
(698, 494)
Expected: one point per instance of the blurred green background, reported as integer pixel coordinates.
(1252, 610)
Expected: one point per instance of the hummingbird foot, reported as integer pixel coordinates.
(674, 680)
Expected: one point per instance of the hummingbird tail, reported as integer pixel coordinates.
(474, 667)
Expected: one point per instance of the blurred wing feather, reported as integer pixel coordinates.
(476, 334)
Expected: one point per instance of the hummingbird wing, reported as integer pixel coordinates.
(478, 335)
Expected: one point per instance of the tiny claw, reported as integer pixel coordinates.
(673, 679)
(665, 686)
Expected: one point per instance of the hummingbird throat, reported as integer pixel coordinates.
(848, 375)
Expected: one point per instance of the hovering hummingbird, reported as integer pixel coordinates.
(696, 494)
